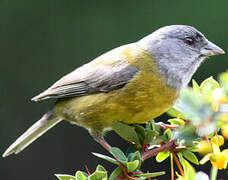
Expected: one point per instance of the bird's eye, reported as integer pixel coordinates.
(189, 41)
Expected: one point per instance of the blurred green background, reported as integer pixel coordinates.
(40, 41)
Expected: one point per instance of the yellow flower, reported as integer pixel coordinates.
(218, 139)
(218, 159)
(204, 147)
(224, 130)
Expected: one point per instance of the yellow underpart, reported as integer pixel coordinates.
(145, 97)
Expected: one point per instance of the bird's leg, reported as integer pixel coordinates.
(98, 137)
(104, 143)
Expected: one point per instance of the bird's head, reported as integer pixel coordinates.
(178, 50)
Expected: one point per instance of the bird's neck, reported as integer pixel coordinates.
(178, 76)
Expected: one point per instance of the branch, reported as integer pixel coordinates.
(168, 146)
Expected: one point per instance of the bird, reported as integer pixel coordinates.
(131, 84)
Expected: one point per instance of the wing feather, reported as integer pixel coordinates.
(91, 78)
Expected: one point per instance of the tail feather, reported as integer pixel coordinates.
(47, 121)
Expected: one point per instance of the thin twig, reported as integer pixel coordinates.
(178, 164)
(87, 169)
(121, 177)
(126, 175)
(172, 167)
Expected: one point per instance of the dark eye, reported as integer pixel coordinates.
(189, 41)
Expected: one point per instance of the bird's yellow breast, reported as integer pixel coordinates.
(145, 97)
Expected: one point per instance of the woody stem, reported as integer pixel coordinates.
(168, 146)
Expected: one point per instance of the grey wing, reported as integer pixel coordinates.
(90, 79)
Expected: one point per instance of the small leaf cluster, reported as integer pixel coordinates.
(100, 173)
(139, 138)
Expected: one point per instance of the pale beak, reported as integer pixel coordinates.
(210, 49)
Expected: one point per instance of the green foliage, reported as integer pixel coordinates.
(116, 173)
(151, 175)
(162, 156)
(68, 177)
(189, 156)
(107, 158)
(80, 176)
(126, 132)
(99, 174)
(118, 154)
(196, 116)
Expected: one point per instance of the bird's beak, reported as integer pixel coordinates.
(210, 49)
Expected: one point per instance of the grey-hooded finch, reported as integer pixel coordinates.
(133, 83)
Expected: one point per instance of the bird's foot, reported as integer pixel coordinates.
(105, 144)
(100, 139)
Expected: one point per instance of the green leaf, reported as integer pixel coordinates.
(131, 166)
(209, 84)
(162, 156)
(116, 173)
(107, 158)
(176, 112)
(190, 103)
(163, 138)
(184, 163)
(207, 87)
(195, 107)
(150, 134)
(150, 174)
(139, 129)
(135, 156)
(189, 171)
(80, 176)
(132, 149)
(98, 175)
(189, 156)
(126, 132)
(176, 121)
(118, 154)
(195, 86)
(65, 177)
(168, 134)
(100, 168)
(140, 132)
(150, 125)
(185, 135)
